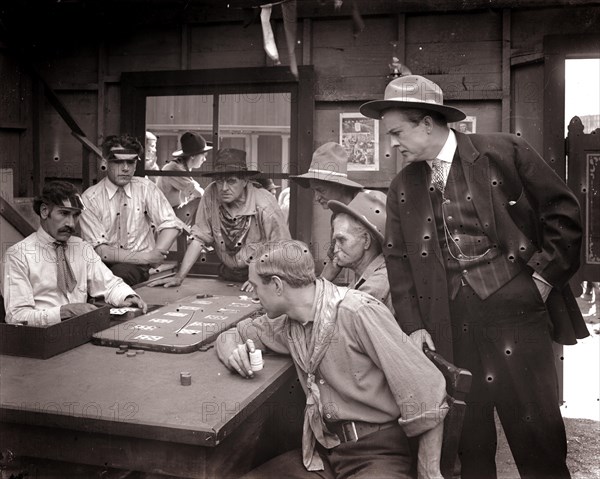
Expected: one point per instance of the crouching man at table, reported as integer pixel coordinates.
(49, 274)
(368, 388)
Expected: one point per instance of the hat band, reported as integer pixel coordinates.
(409, 99)
(328, 172)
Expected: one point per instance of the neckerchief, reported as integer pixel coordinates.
(234, 229)
(307, 351)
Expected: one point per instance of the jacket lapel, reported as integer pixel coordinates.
(480, 179)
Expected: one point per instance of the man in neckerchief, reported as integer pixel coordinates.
(234, 217)
(124, 213)
(368, 387)
(49, 275)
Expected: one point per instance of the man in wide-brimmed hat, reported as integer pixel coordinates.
(184, 192)
(127, 218)
(327, 177)
(234, 217)
(481, 240)
(357, 238)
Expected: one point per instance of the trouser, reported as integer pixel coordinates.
(381, 455)
(505, 342)
(131, 274)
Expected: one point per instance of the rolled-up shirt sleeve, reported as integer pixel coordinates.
(418, 387)
(160, 211)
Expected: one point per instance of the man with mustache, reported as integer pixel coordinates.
(124, 213)
(49, 274)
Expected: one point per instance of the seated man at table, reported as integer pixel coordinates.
(49, 274)
(357, 237)
(234, 217)
(368, 387)
(123, 212)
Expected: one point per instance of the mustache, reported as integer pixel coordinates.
(66, 229)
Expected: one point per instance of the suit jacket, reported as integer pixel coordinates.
(523, 206)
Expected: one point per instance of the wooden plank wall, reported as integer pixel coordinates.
(489, 63)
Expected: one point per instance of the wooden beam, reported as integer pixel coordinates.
(85, 141)
(306, 41)
(506, 86)
(36, 134)
(526, 59)
(15, 219)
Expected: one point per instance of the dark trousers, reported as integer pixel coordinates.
(505, 342)
(381, 455)
(132, 274)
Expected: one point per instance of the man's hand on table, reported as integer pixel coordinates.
(75, 309)
(239, 359)
(247, 287)
(171, 282)
(135, 302)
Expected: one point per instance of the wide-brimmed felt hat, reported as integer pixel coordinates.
(367, 207)
(192, 144)
(231, 161)
(266, 183)
(412, 91)
(329, 163)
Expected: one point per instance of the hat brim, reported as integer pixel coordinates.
(374, 109)
(231, 172)
(339, 207)
(182, 153)
(303, 180)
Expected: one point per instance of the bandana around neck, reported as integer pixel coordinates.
(307, 347)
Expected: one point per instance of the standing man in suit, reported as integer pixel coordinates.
(482, 238)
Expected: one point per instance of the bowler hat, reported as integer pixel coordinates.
(367, 207)
(192, 144)
(329, 163)
(231, 161)
(412, 91)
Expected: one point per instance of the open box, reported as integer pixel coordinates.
(47, 341)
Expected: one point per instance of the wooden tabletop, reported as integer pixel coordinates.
(91, 388)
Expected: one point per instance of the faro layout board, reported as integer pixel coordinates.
(180, 327)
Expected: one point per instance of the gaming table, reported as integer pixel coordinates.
(92, 406)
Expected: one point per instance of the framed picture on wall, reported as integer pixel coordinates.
(360, 137)
(468, 125)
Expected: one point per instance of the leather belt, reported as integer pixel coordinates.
(354, 430)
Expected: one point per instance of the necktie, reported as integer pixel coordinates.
(64, 274)
(438, 179)
(123, 217)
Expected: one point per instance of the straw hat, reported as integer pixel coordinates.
(412, 91)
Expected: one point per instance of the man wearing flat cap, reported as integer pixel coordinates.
(49, 274)
(234, 217)
(481, 240)
(327, 177)
(183, 192)
(357, 238)
(124, 212)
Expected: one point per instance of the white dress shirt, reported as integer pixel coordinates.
(149, 210)
(30, 280)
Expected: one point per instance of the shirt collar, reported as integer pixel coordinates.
(446, 154)
(377, 263)
(46, 239)
(112, 189)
